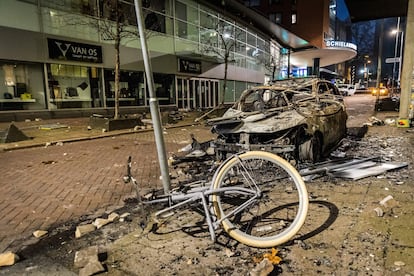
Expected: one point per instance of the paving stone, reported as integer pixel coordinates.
(8, 258)
(84, 256)
(84, 229)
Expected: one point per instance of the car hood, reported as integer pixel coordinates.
(234, 121)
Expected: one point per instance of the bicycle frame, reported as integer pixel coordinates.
(203, 194)
(178, 199)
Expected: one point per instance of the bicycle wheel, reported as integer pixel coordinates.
(276, 210)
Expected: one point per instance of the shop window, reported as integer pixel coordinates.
(21, 86)
(131, 88)
(73, 86)
(164, 88)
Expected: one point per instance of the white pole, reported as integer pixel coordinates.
(155, 112)
(401, 56)
(407, 67)
(395, 54)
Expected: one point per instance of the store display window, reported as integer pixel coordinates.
(131, 88)
(21, 86)
(73, 86)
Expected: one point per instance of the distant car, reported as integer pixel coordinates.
(381, 91)
(298, 119)
(388, 104)
(346, 89)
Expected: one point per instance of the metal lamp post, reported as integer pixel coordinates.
(154, 108)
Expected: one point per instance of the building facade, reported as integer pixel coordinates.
(59, 56)
(319, 23)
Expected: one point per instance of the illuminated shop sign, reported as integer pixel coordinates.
(74, 51)
(189, 66)
(340, 44)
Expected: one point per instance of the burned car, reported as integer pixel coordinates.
(295, 119)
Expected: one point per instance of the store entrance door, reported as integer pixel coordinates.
(194, 93)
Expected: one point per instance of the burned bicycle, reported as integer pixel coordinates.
(257, 197)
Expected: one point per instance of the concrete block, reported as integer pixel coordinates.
(91, 268)
(84, 229)
(8, 258)
(84, 256)
(99, 222)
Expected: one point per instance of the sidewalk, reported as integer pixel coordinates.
(65, 130)
(50, 180)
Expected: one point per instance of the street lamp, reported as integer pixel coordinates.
(366, 72)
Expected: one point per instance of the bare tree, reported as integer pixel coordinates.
(221, 41)
(113, 26)
(271, 64)
(116, 23)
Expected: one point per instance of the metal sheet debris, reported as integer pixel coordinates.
(352, 169)
(52, 126)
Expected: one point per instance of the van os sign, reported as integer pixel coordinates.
(73, 51)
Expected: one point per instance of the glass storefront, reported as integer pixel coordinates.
(184, 26)
(131, 88)
(73, 86)
(21, 86)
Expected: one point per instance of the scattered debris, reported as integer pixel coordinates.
(113, 216)
(84, 256)
(39, 233)
(379, 212)
(376, 122)
(87, 259)
(353, 169)
(384, 201)
(388, 202)
(52, 126)
(229, 253)
(91, 268)
(399, 263)
(264, 268)
(84, 229)
(8, 258)
(99, 222)
(272, 257)
(124, 216)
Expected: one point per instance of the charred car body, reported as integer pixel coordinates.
(299, 119)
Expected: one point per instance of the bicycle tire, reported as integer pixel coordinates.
(273, 218)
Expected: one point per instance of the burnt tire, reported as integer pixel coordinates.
(311, 150)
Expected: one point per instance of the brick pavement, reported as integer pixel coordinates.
(43, 187)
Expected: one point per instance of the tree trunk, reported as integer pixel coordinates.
(117, 65)
(226, 64)
(117, 62)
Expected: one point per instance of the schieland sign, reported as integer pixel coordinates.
(73, 51)
(340, 44)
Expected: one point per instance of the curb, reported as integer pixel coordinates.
(79, 139)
